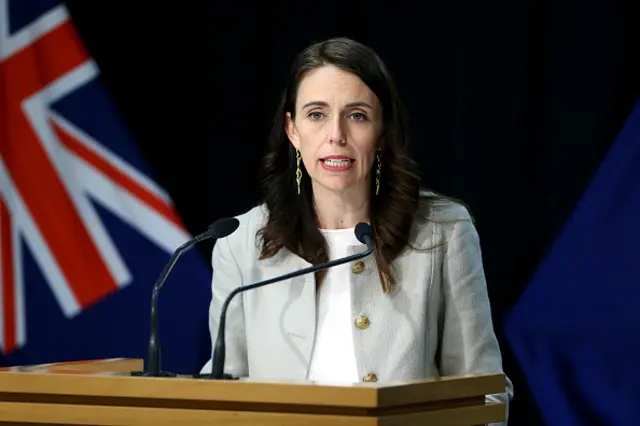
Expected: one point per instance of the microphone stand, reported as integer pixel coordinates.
(223, 226)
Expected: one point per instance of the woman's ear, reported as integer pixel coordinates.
(290, 129)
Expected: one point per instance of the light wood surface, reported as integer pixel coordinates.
(102, 392)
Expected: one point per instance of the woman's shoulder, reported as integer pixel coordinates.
(254, 217)
(249, 223)
(437, 218)
(434, 207)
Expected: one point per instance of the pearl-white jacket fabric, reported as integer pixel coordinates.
(437, 321)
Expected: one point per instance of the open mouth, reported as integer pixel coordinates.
(333, 162)
(337, 163)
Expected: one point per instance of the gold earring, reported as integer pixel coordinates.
(378, 171)
(298, 171)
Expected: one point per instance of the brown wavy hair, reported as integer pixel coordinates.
(292, 222)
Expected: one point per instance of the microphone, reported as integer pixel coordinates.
(219, 229)
(363, 233)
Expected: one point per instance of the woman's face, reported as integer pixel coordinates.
(337, 127)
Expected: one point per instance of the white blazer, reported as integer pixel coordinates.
(436, 322)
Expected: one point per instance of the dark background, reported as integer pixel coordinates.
(512, 104)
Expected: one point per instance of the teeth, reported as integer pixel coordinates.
(336, 163)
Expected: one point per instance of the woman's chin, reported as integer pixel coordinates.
(339, 186)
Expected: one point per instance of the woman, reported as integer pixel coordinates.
(338, 156)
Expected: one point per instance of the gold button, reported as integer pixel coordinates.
(362, 322)
(370, 378)
(357, 267)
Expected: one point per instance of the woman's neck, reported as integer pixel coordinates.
(341, 210)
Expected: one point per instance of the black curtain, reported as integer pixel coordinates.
(512, 104)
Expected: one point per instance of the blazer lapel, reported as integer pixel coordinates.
(295, 308)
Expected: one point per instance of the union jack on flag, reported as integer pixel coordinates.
(84, 228)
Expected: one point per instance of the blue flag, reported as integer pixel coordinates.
(576, 328)
(84, 228)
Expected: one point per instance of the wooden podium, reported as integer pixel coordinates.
(102, 392)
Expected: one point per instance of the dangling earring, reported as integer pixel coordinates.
(298, 171)
(378, 171)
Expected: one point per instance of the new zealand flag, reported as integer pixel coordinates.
(575, 330)
(84, 228)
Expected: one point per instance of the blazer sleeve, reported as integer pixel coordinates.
(469, 344)
(226, 277)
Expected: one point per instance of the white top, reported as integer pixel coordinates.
(333, 359)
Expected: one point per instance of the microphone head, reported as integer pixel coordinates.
(364, 233)
(223, 227)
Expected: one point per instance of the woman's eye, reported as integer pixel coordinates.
(358, 116)
(315, 115)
